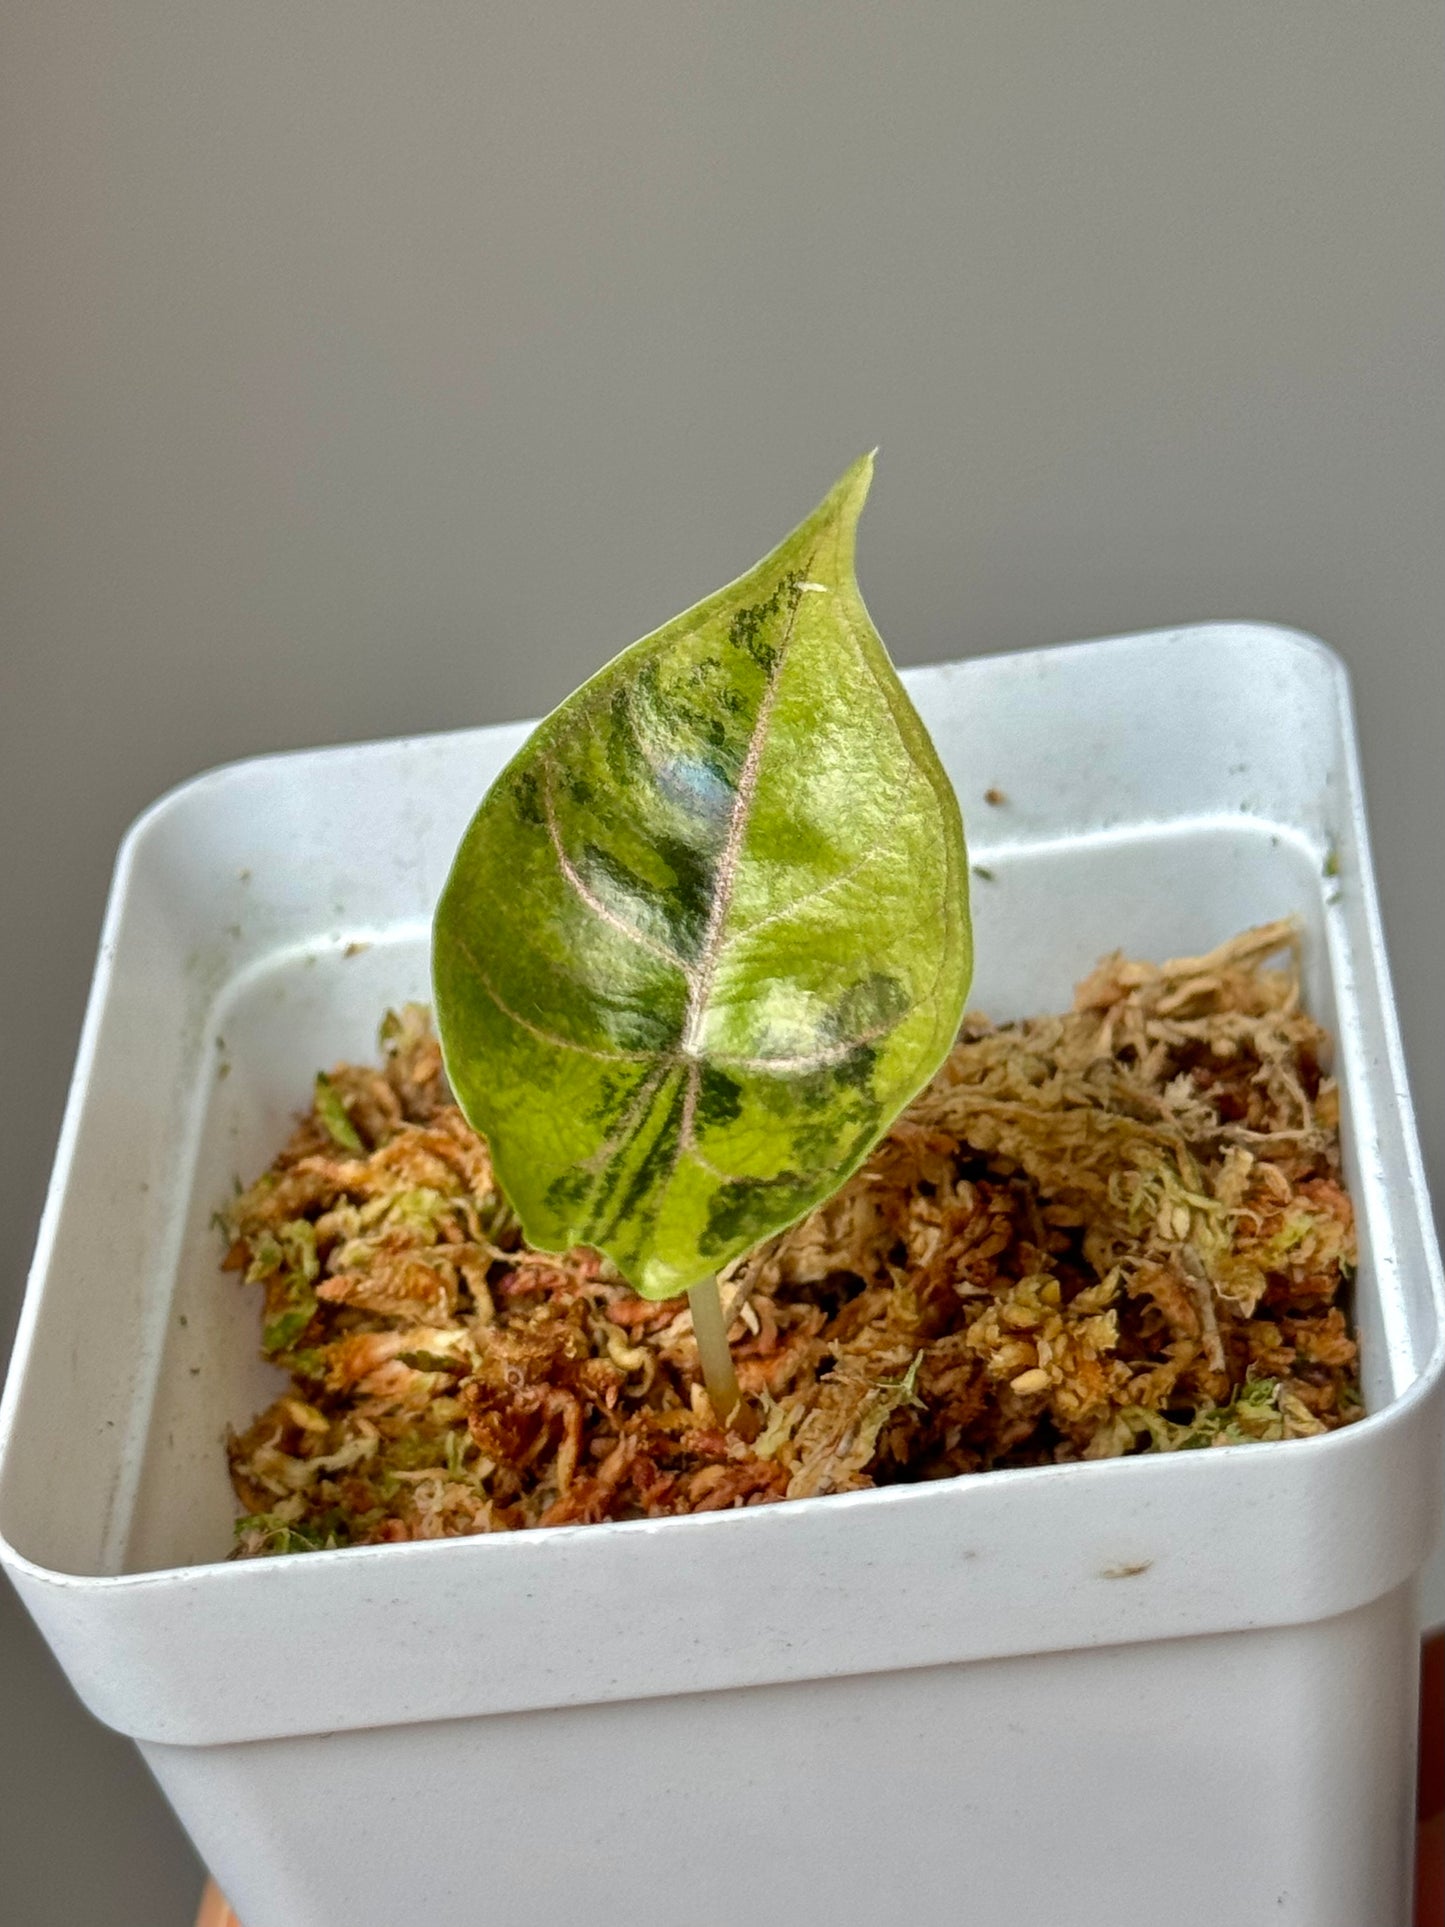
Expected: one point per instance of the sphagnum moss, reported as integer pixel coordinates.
(1121, 1229)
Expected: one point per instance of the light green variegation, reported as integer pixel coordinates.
(708, 932)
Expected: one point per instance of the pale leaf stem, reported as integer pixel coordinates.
(705, 1303)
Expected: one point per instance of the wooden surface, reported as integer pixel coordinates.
(214, 1911)
(1430, 1850)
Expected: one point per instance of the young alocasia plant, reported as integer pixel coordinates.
(708, 932)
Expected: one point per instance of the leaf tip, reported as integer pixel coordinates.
(857, 478)
(843, 504)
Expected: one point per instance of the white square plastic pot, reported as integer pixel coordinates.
(1099, 1693)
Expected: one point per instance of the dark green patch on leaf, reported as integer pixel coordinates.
(720, 1098)
(744, 1211)
(525, 799)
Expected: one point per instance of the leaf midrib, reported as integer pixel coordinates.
(698, 974)
(700, 985)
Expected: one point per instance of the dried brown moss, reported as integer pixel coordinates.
(1115, 1230)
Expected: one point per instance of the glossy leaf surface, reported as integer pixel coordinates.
(708, 932)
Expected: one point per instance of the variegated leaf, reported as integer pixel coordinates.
(708, 932)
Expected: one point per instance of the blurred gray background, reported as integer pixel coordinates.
(369, 368)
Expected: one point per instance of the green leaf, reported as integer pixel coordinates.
(708, 932)
(333, 1114)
